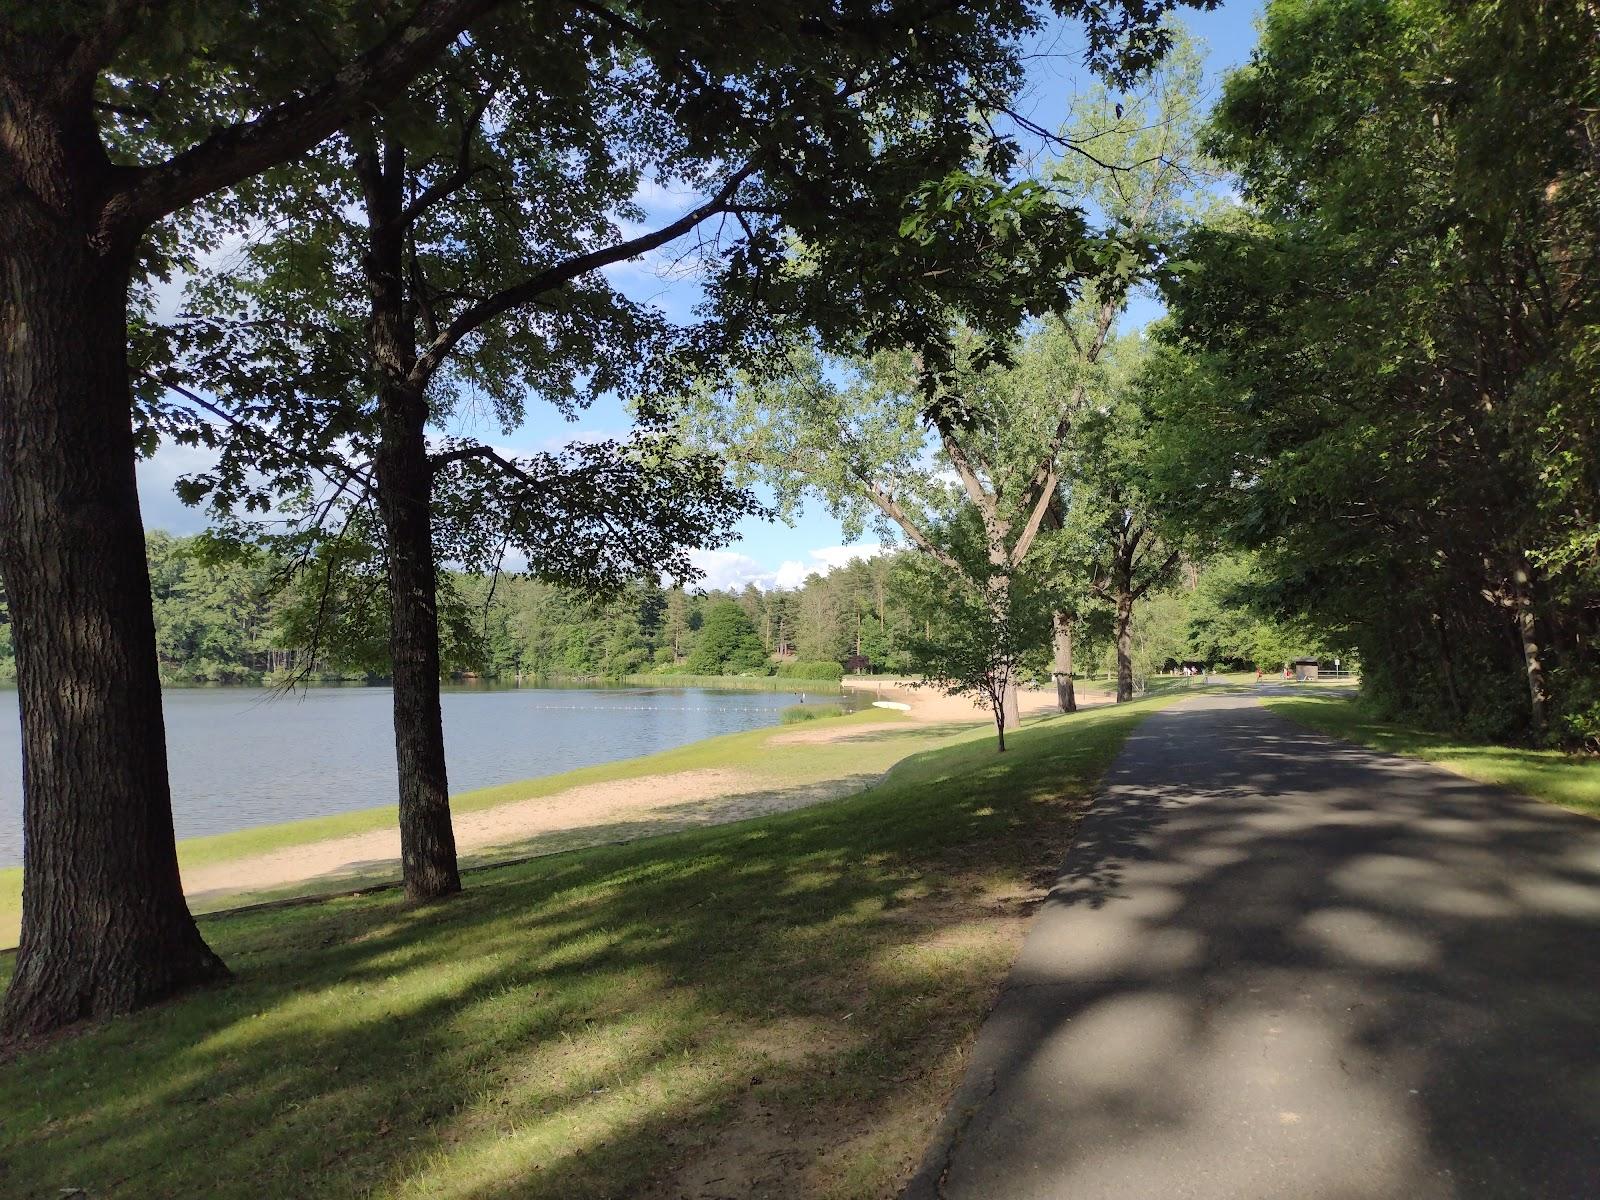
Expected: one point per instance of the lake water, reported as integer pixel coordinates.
(241, 757)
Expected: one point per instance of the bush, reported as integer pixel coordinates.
(1577, 722)
(797, 713)
(728, 644)
(803, 669)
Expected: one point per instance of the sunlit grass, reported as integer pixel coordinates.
(1570, 780)
(791, 994)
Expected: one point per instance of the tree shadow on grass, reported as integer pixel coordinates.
(585, 1025)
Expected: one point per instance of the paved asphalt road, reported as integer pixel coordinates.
(1280, 967)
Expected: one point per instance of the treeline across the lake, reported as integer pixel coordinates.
(229, 615)
(230, 618)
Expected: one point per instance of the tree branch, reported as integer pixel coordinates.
(447, 185)
(1171, 560)
(532, 288)
(890, 507)
(1041, 490)
(324, 461)
(240, 151)
(95, 52)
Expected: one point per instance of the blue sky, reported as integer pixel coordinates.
(765, 553)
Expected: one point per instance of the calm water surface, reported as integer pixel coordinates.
(246, 756)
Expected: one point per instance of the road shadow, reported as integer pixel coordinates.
(1275, 964)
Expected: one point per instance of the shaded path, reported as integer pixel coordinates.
(1280, 966)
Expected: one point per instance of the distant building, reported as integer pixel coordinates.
(1305, 668)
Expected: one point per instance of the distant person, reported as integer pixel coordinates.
(1258, 676)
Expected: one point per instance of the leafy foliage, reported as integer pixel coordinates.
(728, 644)
(801, 669)
(1398, 339)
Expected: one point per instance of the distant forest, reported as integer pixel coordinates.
(223, 619)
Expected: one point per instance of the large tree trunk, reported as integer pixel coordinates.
(1124, 632)
(104, 926)
(1447, 667)
(1528, 634)
(405, 503)
(1066, 697)
(427, 837)
(1013, 706)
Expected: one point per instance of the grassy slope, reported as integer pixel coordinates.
(780, 1005)
(1572, 781)
(769, 766)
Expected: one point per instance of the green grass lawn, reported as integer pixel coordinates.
(1570, 780)
(775, 1007)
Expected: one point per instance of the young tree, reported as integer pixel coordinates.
(999, 423)
(1114, 506)
(972, 647)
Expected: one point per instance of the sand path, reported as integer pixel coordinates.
(590, 804)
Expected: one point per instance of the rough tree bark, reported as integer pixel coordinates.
(105, 928)
(104, 925)
(405, 505)
(1124, 634)
(405, 477)
(1066, 695)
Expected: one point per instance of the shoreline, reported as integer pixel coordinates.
(716, 780)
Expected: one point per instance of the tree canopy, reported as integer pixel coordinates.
(1397, 334)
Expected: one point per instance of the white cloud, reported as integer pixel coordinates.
(791, 574)
(158, 504)
(728, 569)
(721, 569)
